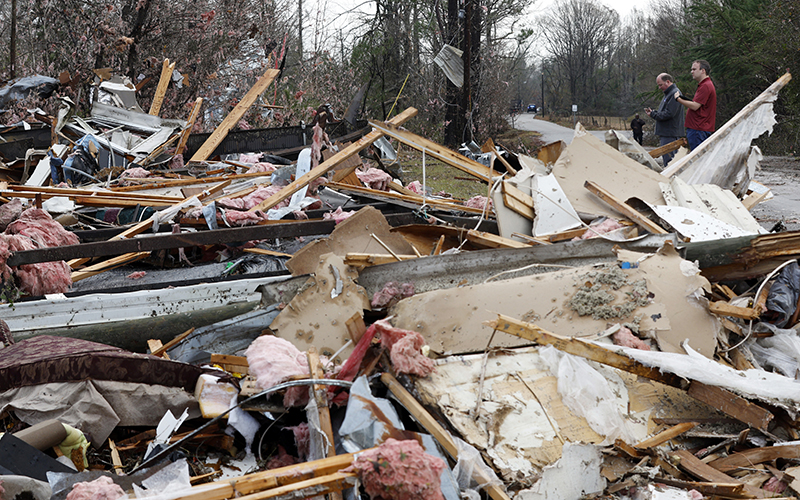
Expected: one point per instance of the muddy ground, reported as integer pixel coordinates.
(782, 175)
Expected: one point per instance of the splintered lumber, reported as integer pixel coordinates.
(331, 485)
(721, 399)
(437, 151)
(492, 240)
(230, 363)
(518, 201)
(320, 393)
(724, 309)
(48, 192)
(489, 147)
(189, 124)
(164, 348)
(161, 90)
(624, 208)
(110, 201)
(733, 490)
(234, 116)
(438, 432)
(264, 251)
(107, 265)
(373, 259)
(133, 231)
(145, 184)
(731, 404)
(668, 148)
(754, 456)
(328, 165)
(414, 199)
(666, 435)
(269, 479)
(694, 466)
(754, 199)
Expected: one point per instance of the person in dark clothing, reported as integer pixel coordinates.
(669, 116)
(636, 126)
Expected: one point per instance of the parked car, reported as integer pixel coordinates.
(531, 108)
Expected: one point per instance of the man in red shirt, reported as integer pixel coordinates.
(702, 113)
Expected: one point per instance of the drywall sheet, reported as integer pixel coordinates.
(587, 158)
(659, 294)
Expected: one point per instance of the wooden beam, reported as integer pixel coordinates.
(517, 200)
(437, 431)
(320, 394)
(713, 490)
(755, 456)
(731, 404)
(161, 90)
(107, 265)
(330, 485)
(362, 260)
(264, 251)
(668, 148)
(234, 116)
(415, 199)
(164, 183)
(189, 125)
(624, 208)
(664, 436)
(493, 241)
(328, 165)
(164, 348)
(754, 199)
(697, 468)
(724, 309)
(489, 147)
(437, 151)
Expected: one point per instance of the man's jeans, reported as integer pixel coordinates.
(695, 137)
(663, 141)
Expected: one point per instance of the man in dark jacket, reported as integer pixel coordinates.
(636, 127)
(669, 116)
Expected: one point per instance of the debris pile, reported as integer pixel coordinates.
(298, 322)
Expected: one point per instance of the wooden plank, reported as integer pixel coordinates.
(564, 235)
(328, 165)
(103, 201)
(161, 89)
(362, 260)
(415, 199)
(668, 148)
(163, 349)
(264, 251)
(107, 265)
(666, 435)
(517, 200)
(234, 116)
(492, 240)
(489, 147)
(697, 468)
(754, 456)
(437, 151)
(732, 405)
(198, 103)
(581, 348)
(624, 208)
(729, 490)
(330, 485)
(116, 461)
(145, 184)
(754, 199)
(724, 309)
(15, 191)
(156, 345)
(231, 363)
(320, 393)
(437, 431)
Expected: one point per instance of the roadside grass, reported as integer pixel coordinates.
(440, 176)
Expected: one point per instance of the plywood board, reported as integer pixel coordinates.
(317, 316)
(353, 235)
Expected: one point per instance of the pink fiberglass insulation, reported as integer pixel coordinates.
(250, 158)
(302, 439)
(317, 140)
(281, 459)
(261, 167)
(37, 225)
(391, 293)
(273, 360)
(626, 338)
(137, 275)
(404, 348)
(478, 202)
(134, 173)
(102, 488)
(375, 179)
(604, 227)
(242, 218)
(10, 212)
(338, 215)
(400, 470)
(415, 186)
(253, 199)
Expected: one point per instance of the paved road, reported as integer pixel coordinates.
(552, 132)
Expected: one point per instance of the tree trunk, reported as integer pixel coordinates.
(12, 46)
(454, 113)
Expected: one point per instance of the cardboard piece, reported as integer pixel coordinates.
(317, 316)
(587, 158)
(353, 235)
(451, 319)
